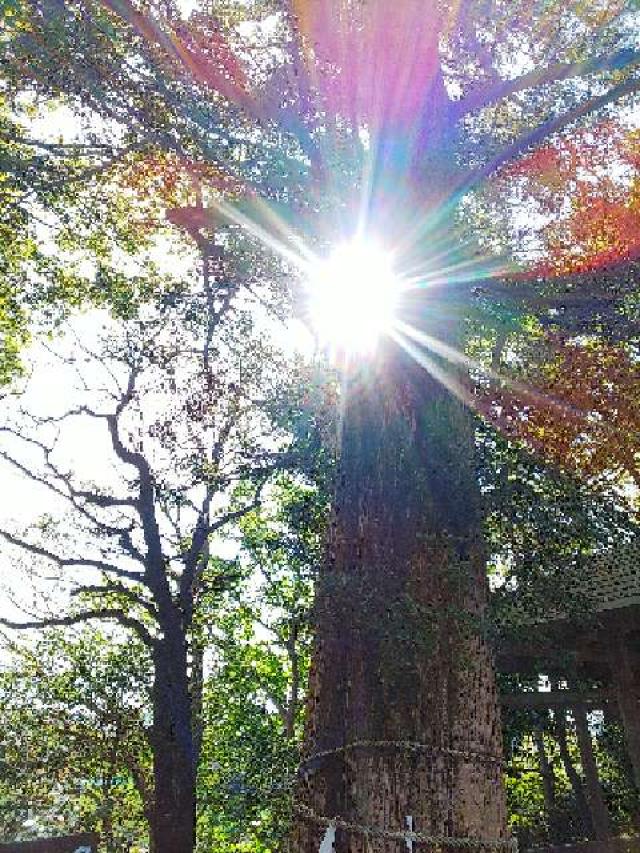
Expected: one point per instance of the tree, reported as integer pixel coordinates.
(406, 555)
(74, 752)
(261, 640)
(67, 230)
(331, 108)
(177, 412)
(580, 362)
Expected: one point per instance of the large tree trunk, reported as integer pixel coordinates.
(403, 716)
(174, 810)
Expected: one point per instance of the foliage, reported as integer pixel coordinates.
(192, 124)
(74, 752)
(528, 810)
(260, 658)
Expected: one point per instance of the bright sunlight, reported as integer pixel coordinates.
(353, 296)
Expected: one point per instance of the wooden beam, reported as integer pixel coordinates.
(595, 796)
(557, 698)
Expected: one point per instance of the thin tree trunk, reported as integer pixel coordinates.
(403, 717)
(173, 824)
(294, 661)
(598, 807)
(582, 806)
(548, 784)
(146, 795)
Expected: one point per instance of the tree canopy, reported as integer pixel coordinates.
(171, 175)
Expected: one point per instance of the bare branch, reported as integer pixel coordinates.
(73, 495)
(80, 345)
(495, 92)
(103, 501)
(105, 613)
(68, 562)
(194, 564)
(155, 577)
(60, 148)
(546, 129)
(236, 515)
(124, 454)
(71, 413)
(111, 588)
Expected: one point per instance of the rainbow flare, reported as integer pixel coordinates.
(384, 164)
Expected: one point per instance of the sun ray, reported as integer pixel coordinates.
(454, 356)
(506, 409)
(301, 258)
(451, 383)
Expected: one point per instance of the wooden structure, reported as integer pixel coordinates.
(601, 648)
(83, 843)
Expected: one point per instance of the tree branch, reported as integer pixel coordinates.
(117, 589)
(68, 562)
(72, 494)
(155, 577)
(544, 130)
(106, 613)
(204, 529)
(542, 77)
(57, 146)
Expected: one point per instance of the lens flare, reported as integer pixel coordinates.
(352, 297)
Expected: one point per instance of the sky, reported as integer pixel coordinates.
(51, 387)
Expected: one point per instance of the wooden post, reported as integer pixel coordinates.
(576, 782)
(628, 695)
(548, 783)
(597, 805)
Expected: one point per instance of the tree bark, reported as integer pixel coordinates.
(400, 657)
(174, 808)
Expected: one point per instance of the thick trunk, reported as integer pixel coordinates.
(173, 823)
(403, 717)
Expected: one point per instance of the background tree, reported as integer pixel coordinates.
(81, 220)
(177, 412)
(74, 752)
(260, 656)
(76, 743)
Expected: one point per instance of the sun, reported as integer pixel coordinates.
(353, 297)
